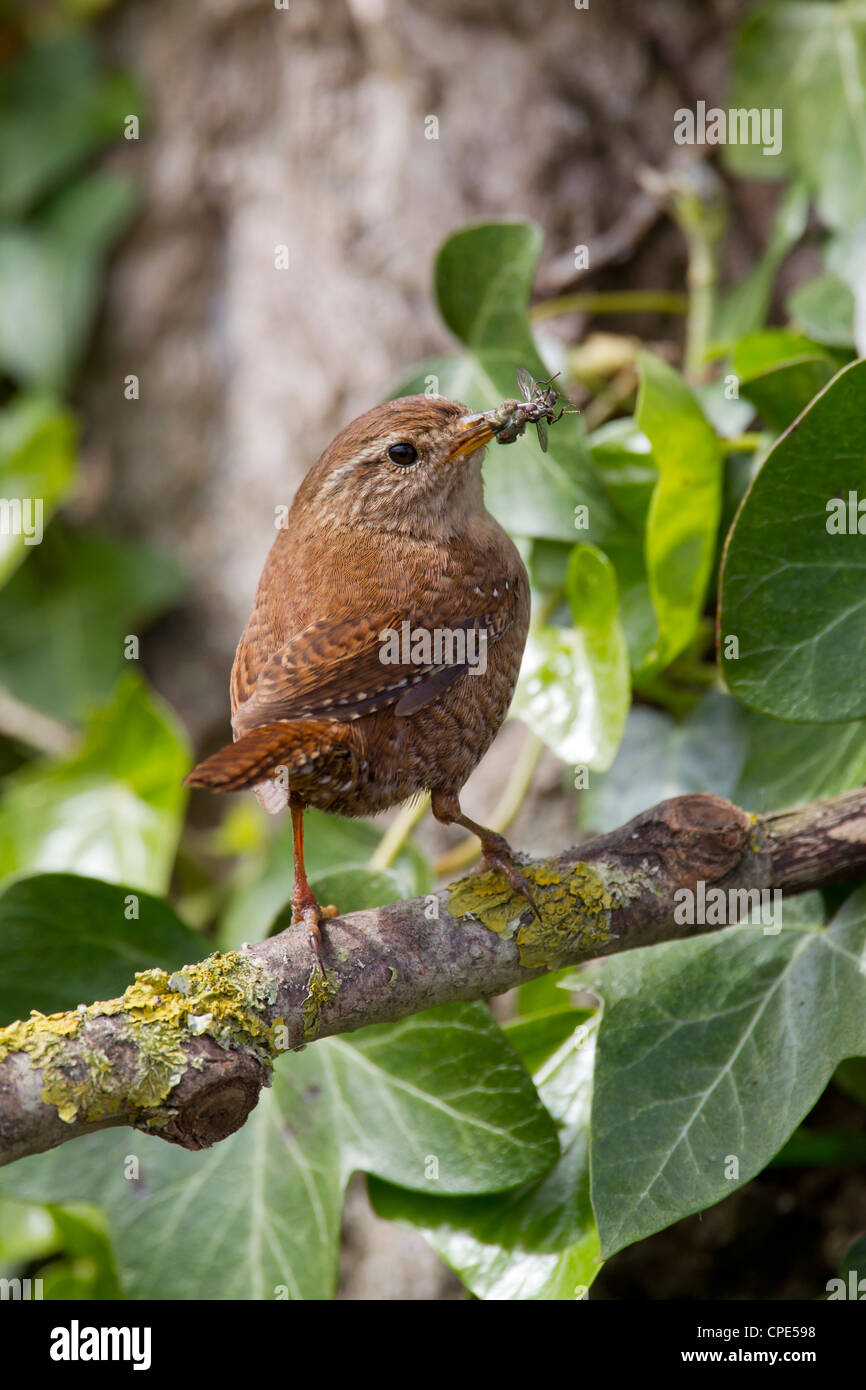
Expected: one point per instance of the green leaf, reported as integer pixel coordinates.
(87, 1271)
(756, 353)
(686, 505)
(56, 107)
(846, 257)
(64, 617)
(623, 457)
(824, 308)
(812, 1148)
(809, 60)
(710, 1050)
(37, 468)
(780, 373)
(49, 279)
(659, 758)
(854, 1260)
(337, 854)
(49, 926)
(729, 414)
(745, 307)
(483, 279)
(260, 1213)
(721, 747)
(538, 1242)
(113, 809)
(850, 1077)
(788, 763)
(792, 593)
(27, 1232)
(542, 995)
(574, 685)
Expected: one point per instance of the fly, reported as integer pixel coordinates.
(538, 407)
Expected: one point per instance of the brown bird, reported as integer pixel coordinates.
(386, 635)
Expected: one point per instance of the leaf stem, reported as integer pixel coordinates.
(31, 726)
(398, 832)
(611, 302)
(743, 443)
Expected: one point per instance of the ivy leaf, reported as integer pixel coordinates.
(112, 809)
(574, 684)
(721, 747)
(788, 763)
(538, 1242)
(711, 1052)
(824, 308)
(623, 457)
(49, 270)
(780, 372)
(57, 106)
(686, 504)
(793, 596)
(744, 308)
(37, 468)
(659, 758)
(804, 58)
(64, 617)
(49, 925)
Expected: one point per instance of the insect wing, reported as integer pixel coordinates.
(526, 384)
(541, 426)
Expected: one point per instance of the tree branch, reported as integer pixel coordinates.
(185, 1056)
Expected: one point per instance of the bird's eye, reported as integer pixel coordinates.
(403, 454)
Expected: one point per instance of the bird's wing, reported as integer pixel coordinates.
(348, 665)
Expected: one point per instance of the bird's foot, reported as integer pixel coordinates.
(497, 854)
(307, 913)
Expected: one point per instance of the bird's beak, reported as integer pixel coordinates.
(472, 432)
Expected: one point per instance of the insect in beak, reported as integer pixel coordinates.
(507, 422)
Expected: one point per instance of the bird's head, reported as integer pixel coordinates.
(412, 465)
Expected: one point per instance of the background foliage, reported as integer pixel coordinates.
(696, 496)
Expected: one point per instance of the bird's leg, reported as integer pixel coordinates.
(495, 850)
(305, 909)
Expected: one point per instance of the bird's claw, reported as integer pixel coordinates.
(307, 913)
(497, 855)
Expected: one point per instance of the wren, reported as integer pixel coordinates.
(386, 636)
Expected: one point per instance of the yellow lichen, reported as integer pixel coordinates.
(229, 990)
(575, 906)
(322, 987)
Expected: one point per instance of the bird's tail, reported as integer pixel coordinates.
(265, 752)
